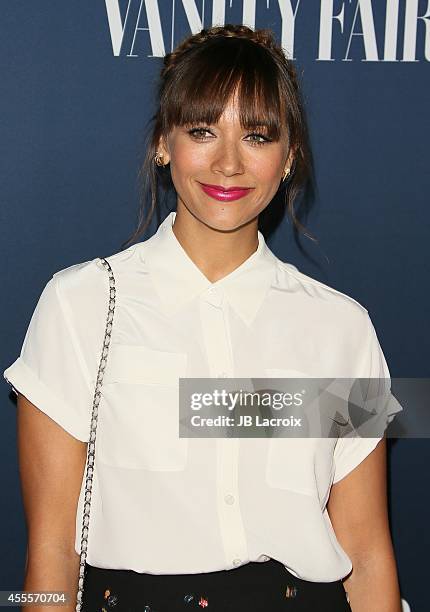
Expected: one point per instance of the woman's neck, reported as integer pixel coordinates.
(215, 252)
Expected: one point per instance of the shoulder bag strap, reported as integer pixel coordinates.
(91, 449)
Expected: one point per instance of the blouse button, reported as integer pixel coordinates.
(222, 375)
(214, 296)
(237, 562)
(229, 499)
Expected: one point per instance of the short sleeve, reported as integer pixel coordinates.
(50, 371)
(350, 452)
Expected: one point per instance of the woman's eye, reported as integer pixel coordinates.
(259, 142)
(199, 134)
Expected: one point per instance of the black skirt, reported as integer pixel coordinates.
(254, 587)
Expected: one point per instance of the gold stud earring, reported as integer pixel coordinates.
(286, 173)
(159, 159)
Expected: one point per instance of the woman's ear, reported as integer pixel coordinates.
(291, 160)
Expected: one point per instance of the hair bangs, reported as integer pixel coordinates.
(239, 70)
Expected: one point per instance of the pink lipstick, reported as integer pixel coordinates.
(225, 194)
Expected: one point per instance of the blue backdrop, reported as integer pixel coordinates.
(77, 90)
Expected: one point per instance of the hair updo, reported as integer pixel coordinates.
(196, 81)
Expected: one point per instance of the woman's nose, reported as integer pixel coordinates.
(228, 159)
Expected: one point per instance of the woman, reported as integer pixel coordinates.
(179, 523)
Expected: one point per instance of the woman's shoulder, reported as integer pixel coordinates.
(321, 305)
(77, 297)
(87, 278)
(291, 277)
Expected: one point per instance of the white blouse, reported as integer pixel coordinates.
(163, 504)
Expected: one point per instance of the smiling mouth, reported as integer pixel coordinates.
(225, 194)
(226, 189)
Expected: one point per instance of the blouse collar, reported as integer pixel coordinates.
(178, 280)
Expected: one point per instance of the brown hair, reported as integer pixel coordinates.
(196, 81)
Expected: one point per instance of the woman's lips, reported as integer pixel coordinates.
(224, 196)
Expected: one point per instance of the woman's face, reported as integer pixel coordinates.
(225, 155)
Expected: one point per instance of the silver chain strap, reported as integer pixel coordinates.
(91, 449)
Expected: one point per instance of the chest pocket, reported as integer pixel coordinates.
(138, 424)
(302, 465)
